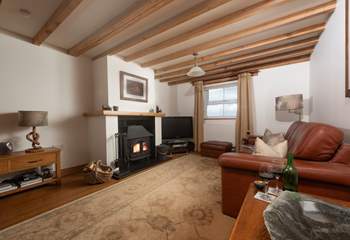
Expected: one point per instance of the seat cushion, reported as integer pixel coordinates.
(314, 141)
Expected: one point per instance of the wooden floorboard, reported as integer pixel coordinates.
(24, 205)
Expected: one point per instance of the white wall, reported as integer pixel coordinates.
(115, 65)
(40, 78)
(274, 82)
(166, 98)
(327, 74)
(270, 83)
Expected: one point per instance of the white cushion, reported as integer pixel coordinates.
(279, 150)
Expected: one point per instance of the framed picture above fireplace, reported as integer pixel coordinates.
(133, 87)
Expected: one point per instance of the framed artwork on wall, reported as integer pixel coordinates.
(347, 45)
(133, 87)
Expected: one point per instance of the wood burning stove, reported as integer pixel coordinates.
(133, 145)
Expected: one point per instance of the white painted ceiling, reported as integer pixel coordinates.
(93, 14)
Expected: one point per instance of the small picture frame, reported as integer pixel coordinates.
(133, 87)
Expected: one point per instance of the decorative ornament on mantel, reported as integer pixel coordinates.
(195, 71)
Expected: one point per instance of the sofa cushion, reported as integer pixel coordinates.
(278, 150)
(272, 138)
(313, 141)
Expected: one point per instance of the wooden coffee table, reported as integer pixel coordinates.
(250, 224)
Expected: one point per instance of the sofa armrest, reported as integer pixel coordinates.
(245, 161)
(342, 155)
(329, 172)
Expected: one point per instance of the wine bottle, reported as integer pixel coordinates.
(290, 175)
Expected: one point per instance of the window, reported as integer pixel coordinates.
(221, 101)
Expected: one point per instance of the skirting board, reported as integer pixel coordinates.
(72, 170)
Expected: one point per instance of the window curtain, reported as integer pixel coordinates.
(244, 119)
(198, 115)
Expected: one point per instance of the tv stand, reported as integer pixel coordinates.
(179, 145)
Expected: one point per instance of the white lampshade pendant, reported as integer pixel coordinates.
(195, 71)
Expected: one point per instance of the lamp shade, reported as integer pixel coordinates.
(289, 102)
(32, 118)
(196, 72)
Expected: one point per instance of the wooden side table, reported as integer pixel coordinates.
(19, 161)
(250, 225)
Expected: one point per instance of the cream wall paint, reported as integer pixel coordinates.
(40, 78)
(274, 82)
(269, 84)
(327, 74)
(166, 98)
(114, 66)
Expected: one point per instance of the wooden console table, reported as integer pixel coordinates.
(19, 161)
(250, 224)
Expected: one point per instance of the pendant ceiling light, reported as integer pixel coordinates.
(195, 71)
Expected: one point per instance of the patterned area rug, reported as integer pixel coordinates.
(180, 199)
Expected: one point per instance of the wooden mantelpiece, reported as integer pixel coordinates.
(120, 113)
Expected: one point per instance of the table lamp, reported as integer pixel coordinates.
(33, 119)
(290, 103)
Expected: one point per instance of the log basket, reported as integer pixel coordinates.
(96, 172)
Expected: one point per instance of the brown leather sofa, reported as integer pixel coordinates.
(321, 158)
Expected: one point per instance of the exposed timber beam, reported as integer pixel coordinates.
(132, 15)
(221, 80)
(185, 16)
(237, 67)
(205, 28)
(259, 67)
(236, 59)
(265, 42)
(229, 79)
(61, 13)
(291, 18)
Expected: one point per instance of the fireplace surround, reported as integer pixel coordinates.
(104, 125)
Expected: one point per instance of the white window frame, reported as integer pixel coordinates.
(206, 101)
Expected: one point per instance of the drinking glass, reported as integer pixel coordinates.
(266, 174)
(277, 169)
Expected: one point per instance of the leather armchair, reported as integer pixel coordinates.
(321, 158)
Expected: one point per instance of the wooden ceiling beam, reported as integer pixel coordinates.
(246, 63)
(185, 16)
(236, 59)
(229, 79)
(61, 13)
(265, 42)
(205, 28)
(221, 80)
(132, 15)
(260, 67)
(237, 67)
(291, 18)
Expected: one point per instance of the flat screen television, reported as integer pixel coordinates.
(177, 127)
